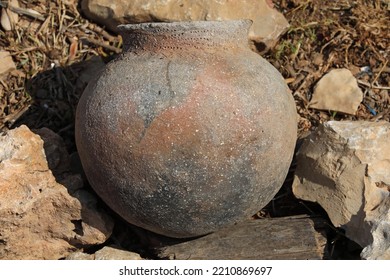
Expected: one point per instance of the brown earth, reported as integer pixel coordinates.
(52, 49)
(336, 34)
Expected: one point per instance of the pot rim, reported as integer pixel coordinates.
(201, 24)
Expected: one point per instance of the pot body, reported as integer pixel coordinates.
(188, 130)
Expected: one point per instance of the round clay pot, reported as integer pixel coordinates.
(188, 130)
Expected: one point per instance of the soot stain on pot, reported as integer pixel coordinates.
(161, 93)
(197, 208)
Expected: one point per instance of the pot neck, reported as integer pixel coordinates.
(182, 36)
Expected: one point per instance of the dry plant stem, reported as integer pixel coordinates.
(11, 119)
(44, 25)
(372, 86)
(98, 43)
(22, 11)
(99, 30)
(380, 72)
(299, 7)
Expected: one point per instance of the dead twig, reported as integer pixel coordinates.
(12, 118)
(88, 27)
(22, 11)
(372, 86)
(303, 5)
(380, 72)
(101, 44)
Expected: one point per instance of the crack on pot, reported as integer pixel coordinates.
(171, 93)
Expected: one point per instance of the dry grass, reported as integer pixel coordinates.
(336, 34)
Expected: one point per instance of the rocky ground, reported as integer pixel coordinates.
(49, 50)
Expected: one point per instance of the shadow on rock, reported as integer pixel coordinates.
(55, 94)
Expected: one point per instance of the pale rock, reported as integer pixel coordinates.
(7, 64)
(39, 219)
(112, 253)
(106, 253)
(344, 166)
(78, 256)
(8, 18)
(337, 91)
(268, 23)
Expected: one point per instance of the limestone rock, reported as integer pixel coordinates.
(344, 166)
(268, 23)
(111, 253)
(39, 219)
(106, 253)
(337, 91)
(78, 256)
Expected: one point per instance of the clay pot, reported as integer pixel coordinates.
(188, 130)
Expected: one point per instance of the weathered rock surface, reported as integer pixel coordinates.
(78, 256)
(39, 219)
(106, 253)
(337, 91)
(268, 23)
(345, 167)
(111, 253)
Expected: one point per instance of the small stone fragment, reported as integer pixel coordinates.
(8, 19)
(344, 166)
(7, 64)
(111, 253)
(78, 256)
(106, 253)
(337, 91)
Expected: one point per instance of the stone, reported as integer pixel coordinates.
(337, 91)
(78, 256)
(39, 218)
(8, 19)
(112, 253)
(106, 253)
(344, 166)
(7, 64)
(268, 23)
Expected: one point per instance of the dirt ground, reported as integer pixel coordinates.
(336, 34)
(52, 46)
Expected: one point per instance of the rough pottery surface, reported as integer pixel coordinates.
(188, 131)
